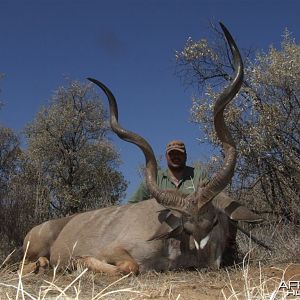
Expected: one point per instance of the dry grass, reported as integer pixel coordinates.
(247, 281)
(284, 240)
(257, 277)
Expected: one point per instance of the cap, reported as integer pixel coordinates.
(176, 145)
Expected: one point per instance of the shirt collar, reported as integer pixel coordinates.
(187, 174)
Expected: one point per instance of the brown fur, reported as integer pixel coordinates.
(39, 239)
(114, 240)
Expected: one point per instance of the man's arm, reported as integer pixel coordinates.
(142, 193)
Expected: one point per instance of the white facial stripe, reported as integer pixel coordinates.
(196, 244)
(204, 241)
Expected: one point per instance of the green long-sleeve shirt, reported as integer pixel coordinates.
(190, 180)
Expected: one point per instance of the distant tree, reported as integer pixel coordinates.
(74, 163)
(9, 153)
(18, 191)
(264, 118)
(9, 150)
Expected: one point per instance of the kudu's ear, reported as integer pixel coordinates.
(171, 225)
(234, 210)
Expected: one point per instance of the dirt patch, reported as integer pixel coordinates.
(248, 282)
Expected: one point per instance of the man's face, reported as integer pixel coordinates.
(176, 159)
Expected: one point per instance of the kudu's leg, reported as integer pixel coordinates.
(96, 265)
(113, 261)
(123, 260)
(38, 267)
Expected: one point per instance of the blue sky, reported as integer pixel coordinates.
(129, 45)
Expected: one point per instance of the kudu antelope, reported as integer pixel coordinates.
(170, 231)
